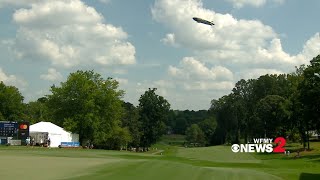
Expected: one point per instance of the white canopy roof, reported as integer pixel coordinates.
(47, 127)
(56, 134)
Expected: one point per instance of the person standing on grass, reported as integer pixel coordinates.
(32, 142)
(28, 141)
(49, 141)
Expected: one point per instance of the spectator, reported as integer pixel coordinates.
(28, 141)
(49, 141)
(32, 142)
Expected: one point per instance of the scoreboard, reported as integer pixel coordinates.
(18, 130)
(23, 130)
(8, 129)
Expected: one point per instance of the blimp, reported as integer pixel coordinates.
(203, 21)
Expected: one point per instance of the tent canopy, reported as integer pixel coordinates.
(55, 133)
(47, 127)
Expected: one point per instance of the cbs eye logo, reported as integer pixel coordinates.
(235, 148)
(261, 146)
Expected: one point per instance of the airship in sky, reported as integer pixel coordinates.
(200, 20)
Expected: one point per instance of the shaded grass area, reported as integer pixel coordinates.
(309, 176)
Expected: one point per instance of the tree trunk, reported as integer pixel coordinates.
(308, 140)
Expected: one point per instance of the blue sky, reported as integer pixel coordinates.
(155, 43)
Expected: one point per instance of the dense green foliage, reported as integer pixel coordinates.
(153, 111)
(179, 121)
(195, 135)
(11, 103)
(285, 105)
(36, 111)
(273, 105)
(91, 106)
(130, 120)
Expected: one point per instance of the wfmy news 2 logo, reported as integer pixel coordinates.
(261, 145)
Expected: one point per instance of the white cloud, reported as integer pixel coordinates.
(209, 85)
(17, 3)
(311, 47)
(241, 3)
(256, 73)
(253, 3)
(70, 33)
(169, 40)
(177, 95)
(222, 54)
(12, 80)
(194, 75)
(52, 75)
(122, 81)
(191, 68)
(234, 43)
(228, 33)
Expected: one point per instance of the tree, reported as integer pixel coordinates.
(271, 113)
(119, 139)
(216, 109)
(11, 103)
(243, 92)
(310, 96)
(195, 135)
(226, 115)
(153, 112)
(208, 126)
(89, 105)
(179, 121)
(310, 92)
(131, 121)
(36, 111)
(285, 104)
(296, 122)
(265, 85)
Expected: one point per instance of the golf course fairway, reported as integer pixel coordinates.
(174, 163)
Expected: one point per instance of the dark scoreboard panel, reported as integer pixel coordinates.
(18, 130)
(8, 129)
(23, 130)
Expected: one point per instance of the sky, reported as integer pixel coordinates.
(155, 44)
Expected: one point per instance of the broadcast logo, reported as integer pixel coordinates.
(261, 145)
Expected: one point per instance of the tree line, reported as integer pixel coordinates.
(272, 105)
(93, 107)
(286, 105)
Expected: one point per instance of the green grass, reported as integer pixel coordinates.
(216, 154)
(176, 163)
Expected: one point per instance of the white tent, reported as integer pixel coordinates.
(55, 133)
